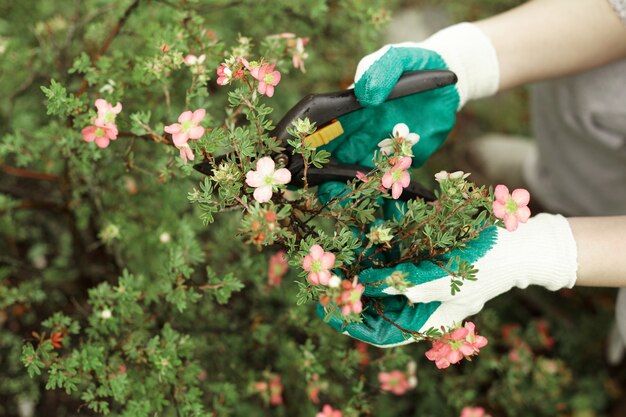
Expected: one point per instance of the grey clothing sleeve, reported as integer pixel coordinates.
(620, 8)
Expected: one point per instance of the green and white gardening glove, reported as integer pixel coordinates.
(461, 48)
(541, 252)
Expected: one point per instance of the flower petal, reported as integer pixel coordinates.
(189, 153)
(387, 179)
(396, 190)
(306, 263)
(405, 180)
(198, 115)
(521, 196)
(117, 108)
(313, 278)
(263, 194)
(480, 341)
(196, 132)
(102, 142)
(282, 176)
(102, 105)
(501, 193)
(254, 179)
(403, 163)
(498, 209)
(275, 76)
(328, 260)
(89, 133)
(510, 222)
(184, 116)
(324, 277)
(400, 130)
(265, 166)
(175, 128)
(385, 143)
(523, 214)
(412, 138)
(180, 138)
(316, 252)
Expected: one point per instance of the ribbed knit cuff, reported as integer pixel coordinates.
(547, 246)
(469, 53)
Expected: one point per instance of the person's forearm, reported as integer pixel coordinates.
(543, 39)
(601, 245)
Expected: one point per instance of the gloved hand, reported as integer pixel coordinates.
(461, 48)
(541, 252)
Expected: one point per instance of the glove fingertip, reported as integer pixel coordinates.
(374, 86)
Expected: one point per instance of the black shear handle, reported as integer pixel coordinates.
(322, 108)
(333, 171)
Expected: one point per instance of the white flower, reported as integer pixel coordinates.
(106, 314)
(194, 60)
(401, 136)
(165, 237)
(265, 178)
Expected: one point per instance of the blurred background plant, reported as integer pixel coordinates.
(117, 299)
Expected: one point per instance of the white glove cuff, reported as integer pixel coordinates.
(469, 53)
(547, 247)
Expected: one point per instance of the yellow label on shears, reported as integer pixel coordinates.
(324, 135)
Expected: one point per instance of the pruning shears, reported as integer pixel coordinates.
(324, 109)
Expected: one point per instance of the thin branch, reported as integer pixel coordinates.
(27, 173)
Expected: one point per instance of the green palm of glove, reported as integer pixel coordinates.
(431, 114)
(399, 316)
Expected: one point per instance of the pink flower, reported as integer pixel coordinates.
(296, 45)
(350, 299)
(106, 112)
(224, 75)
(253, 66)
(268, 79)
(299, 55)
(191, 59)
(313, 389)
(186, 153)
(317, 263)
(456, 345)
(473, 412)
(188, 127)
(277, 268)
(328, 411)
(274, 388)
(397, 178)
(362, 348)
(395, 382)
(513, 208)
(276, 391)
(102, 134)
(265, 179)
